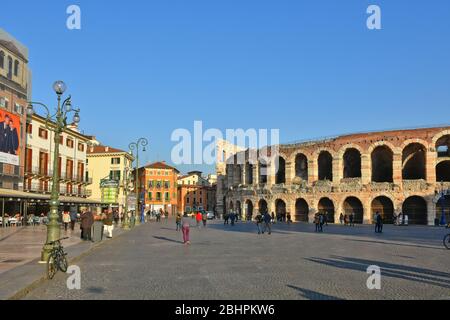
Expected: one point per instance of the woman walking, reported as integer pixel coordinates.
(66, 220)
(185, 221)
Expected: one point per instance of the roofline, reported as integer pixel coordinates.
(52, 123)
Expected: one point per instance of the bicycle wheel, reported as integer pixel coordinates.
(51, 266)
(447, 241)
(62, 262)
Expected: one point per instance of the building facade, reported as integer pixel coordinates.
(391, 172)
(107, 164)
(39, 162)
(158, 185)
(195, 193)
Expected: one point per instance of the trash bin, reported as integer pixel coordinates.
(97, 231)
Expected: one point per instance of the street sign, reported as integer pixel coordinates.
(110, 191)
(131, 201)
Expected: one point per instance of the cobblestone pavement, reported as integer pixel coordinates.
(20, 245)
(231, 263)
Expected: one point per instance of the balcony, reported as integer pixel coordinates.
(37, 172)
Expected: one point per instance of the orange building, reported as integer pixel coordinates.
(195, 193)
(159, 183)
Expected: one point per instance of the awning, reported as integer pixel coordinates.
(7, 193)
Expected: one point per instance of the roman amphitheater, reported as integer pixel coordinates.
(401, 171)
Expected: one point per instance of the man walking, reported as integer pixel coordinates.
(378, 223)
(259, 221)
(267, 223)
(108, 220)
(73, 220)
(87, 220)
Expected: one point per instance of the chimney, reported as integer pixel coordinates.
(106, 149)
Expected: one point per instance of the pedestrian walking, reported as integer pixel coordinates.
(341, 218)
(178, 221)
(226, 217)
(351, 219)
(317, 222)
(267, 223)
(232, 218)
(73, 220)
(87, 220)
(259, 221)
(204, 218)
(108, 219)
(378, 223)
(289, 218)
(116, 217)
(321, 222)
(66, 220)
(273, 217)
(198, 218)
(185, 228)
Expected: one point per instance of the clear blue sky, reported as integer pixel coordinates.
(309, 68)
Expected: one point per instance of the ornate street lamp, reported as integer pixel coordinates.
(58, 124)
(142, 142)
(125, 221)
(443, 221)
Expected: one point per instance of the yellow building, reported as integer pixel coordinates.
(106, 167)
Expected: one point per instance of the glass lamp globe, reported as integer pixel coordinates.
(59, 87)
(30, 110)
(76, 118)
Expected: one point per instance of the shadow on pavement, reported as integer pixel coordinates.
(409, 273)
(313, 295)
(167, 239)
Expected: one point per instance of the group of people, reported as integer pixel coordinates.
(88, 218)
(347, 219)
(264, 222)
(282, 217)
(320, 219)
(230, 217)
(9, 138)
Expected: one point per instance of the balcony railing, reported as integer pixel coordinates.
(63, 190)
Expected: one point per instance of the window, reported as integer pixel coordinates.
(16, 68)
(150, 196)
(29, 128)
(114, 175)
(81, 147)
(18, 108)
(115, 160)
(10, 67)
(61, 140)
(167, 196)
(43, 133)
(69, 143)
(187, 200)
(3, 102)
(158, 196)
(166, 184)
(158, 184)
(2, 59)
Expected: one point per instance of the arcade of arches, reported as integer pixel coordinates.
(385, 172)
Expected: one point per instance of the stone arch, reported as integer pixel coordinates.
(280, 207)
(384, 206)
(263, 207)
(238, 208)
(326, 205)
(249, 208)
(414, 161)
(301, 166)
(382, 163)
(441, 143)
(325, 165)
(352, 160)
(416, 209)
(443, 171)
(280, 171)
(352, 205)
(301, 210)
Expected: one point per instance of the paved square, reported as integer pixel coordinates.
(225, 262)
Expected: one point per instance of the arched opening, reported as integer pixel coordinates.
(248, 174)
(443, 207)
(443, 171)
(280, 176)
(16, 68)
(238, 174)
(384, 206)
(327, 206)
(280, 208)
(382, 164)
(353, 205)
(414, 162)
(262, 206)
(301, 166)
(443, 146)
(325, 166)
(416, 209)
(301, 210)
(352, 163)
(238, 208)
(10, 67)
(249, 210)
(262, 172)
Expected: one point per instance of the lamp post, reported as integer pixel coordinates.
(142, 142)
(58, 124)
(443, 221)
(125, 222)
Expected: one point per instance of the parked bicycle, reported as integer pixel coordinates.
(57, 259)
(447, 241)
